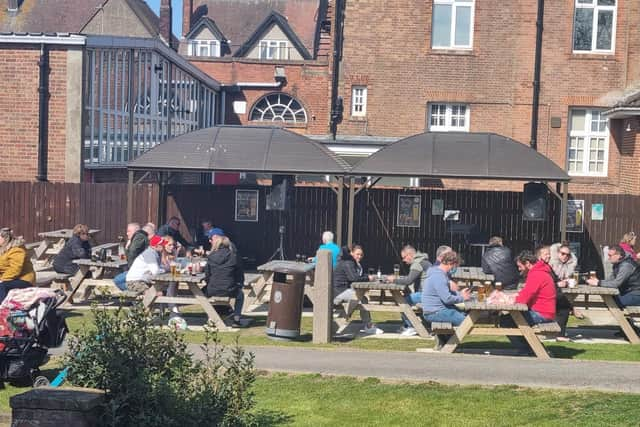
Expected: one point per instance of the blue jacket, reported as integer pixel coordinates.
(335, 251)
(435, 292)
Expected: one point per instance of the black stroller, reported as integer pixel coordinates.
(27, 335)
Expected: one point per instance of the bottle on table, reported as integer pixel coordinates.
(379, 274)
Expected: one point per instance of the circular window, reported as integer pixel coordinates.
(278, 107)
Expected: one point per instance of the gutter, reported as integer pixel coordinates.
(536, 76)
(40, 38)
(254, 84)
(622, 112)
(43, 113)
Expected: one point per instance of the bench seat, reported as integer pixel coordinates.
(632, 310)
(441, 327)
(547, 328)
(46, 277)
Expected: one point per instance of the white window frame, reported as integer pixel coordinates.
(586, 134)
(358, 101)
(452, 30)
(448, 116)
(212, 47)
(593, 4)
(279, 45)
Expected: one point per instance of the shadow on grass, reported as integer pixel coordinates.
(266, 417)
(559, 351)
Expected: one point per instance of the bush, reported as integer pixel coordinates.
(150, 378)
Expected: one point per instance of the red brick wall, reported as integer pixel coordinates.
(19, 106)
(308, 82)
(388, 44)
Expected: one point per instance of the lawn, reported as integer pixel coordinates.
(255, 336)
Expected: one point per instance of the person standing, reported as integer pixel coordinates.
(16, 270)
(498, 260)
(77, 247)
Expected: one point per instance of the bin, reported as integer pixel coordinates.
(285, 306)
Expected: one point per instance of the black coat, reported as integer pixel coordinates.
(75, 248)
(346, 272)
(139, 242)
(221, 273)
(497, 260)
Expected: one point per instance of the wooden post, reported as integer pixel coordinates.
(130, 196)
(322, 298)
(340, 196)
(563, 217)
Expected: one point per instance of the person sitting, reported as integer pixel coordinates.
(221, 273)
(172, 228)
(418, 265)
(77, 247)
(347, 271)
(202, 238)
(16, 270)
(137, 242)
(628, 245)
(146, 265)
(563, 263)
(625, 277)
(538, 293)
(328, 245)
(497, 260)
(438, 300)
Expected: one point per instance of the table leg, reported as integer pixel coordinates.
(528, 334)
(257, 290)
(465, 327)
(408, 311)
(207, 307)
(76, 281)
(41, 249)
(150, 295)
(618, 315)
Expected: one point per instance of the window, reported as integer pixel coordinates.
(452, 26)
(209, 48)
(594, 26)
(448, 117)
(588, 143)
(274, 49)
(278, 107)
(359, 101)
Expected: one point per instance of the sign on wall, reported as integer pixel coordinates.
(247, 205)
(409, 211)
(575, 216)
(597, 211)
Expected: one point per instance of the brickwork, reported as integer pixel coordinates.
(19, 106)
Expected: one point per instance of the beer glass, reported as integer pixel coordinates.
(174, 270)
(396, 271)
(592, 275)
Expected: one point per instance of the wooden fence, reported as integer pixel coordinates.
(33, 207)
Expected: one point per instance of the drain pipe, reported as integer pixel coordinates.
(336, 101)
(43, 113)
(536, 76)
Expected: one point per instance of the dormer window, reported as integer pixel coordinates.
(274, 49)
(205, 48)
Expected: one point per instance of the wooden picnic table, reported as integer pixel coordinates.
(400, 304)
(98, 270)
(53, 241)
(257, 287)
(608, 302)
(478, 310)
(472, 274)
(162, 281)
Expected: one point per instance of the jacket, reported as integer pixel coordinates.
(417, 272)
(625, 277)
(436, 294)
(346, 272)
(220, 273)
(562, 270)
(15, 264)
(75, 248)
(165, 230)
(539, 292)
(497, 260)
(139, 242)
(145, 266)
(628, 249)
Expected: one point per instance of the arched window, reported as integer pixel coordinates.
(278, 107)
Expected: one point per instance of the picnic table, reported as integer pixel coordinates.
(399, 303)
(98, 270)
(161, 282)
(472, 274)
(257, 287)
(472, 325)
(607, 295)
(51, 244)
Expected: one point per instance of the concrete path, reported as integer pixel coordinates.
(452, 368)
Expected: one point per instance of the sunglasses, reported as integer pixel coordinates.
(565, 253)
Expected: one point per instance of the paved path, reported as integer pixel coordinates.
(453, 368)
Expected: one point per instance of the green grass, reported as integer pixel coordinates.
(312, 400)
(255, 336)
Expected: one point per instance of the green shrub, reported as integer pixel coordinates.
(150, 378)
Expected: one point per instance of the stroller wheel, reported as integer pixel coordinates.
(41, 381)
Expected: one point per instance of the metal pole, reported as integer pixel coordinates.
(563, 217)
(352, 198)
(43, 113)
(340, 197)
(130, 197)
(536, 76)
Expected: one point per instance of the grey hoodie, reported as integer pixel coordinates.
(417, 272)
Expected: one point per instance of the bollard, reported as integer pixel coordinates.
(322, 298)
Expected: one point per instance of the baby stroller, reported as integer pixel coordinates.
(29, 326)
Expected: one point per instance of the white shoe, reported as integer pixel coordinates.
(373, 331)
(409, 332)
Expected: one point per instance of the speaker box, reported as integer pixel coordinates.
(278, 197)
(535, 201)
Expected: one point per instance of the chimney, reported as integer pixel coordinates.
(187, 12)
(165, 22)
(13, 7)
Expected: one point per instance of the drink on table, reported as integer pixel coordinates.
(481, 293)
(498, 286)
(576, 277)
(487, 287)
(174, 269)
(396, 271)
(592, 275)
(379, 274)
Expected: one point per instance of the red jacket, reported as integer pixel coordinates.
(539, 292)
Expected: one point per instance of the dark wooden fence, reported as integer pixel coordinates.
(33, 207)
